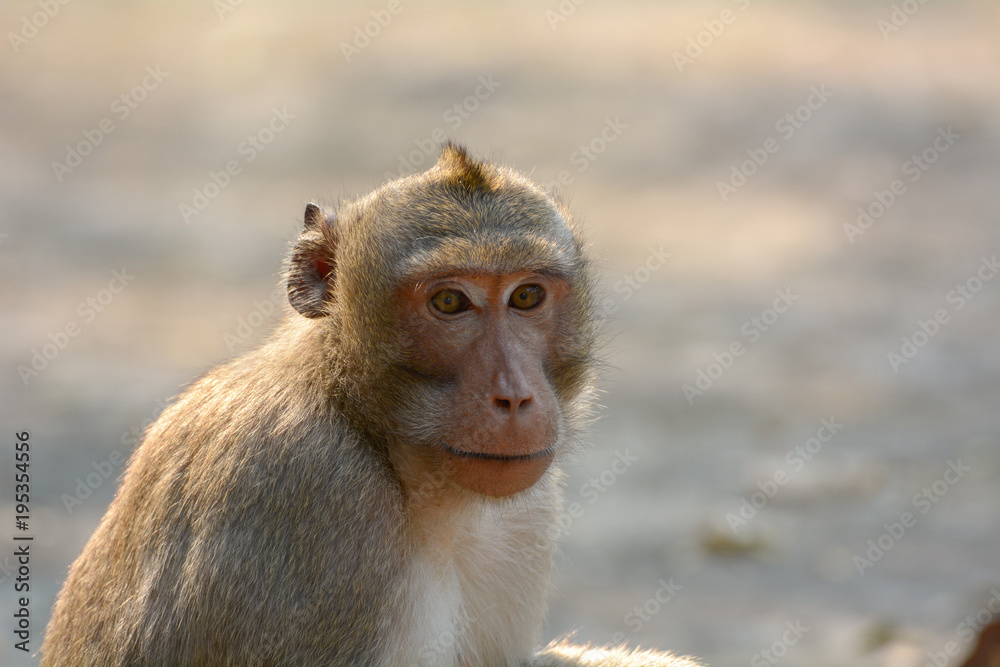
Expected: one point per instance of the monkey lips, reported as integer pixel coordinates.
(497, 474)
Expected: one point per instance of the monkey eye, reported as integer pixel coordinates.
(527, 297)
(450, 301)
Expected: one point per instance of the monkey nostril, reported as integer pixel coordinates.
(511, 406)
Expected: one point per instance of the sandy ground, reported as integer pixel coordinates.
(864, 393)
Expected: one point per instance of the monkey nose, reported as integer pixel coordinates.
(510, 405)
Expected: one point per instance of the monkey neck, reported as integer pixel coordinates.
(457, 531)
(441, 528)
(479, 572)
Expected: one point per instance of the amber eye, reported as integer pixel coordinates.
(526, 297)
(449, 301)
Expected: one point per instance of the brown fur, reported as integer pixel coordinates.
(282, 510)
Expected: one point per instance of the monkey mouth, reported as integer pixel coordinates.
(506, 458)
(496, 474)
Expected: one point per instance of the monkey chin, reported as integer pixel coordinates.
(497, 475)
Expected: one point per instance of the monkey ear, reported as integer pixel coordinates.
(313, 216)
(312, 267)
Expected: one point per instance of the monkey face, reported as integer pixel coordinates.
(481, 345)
(456, 318)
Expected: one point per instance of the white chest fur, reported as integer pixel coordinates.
(477, 584)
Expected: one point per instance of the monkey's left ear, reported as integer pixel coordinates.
(313, 266)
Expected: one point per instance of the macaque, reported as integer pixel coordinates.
(377, 483)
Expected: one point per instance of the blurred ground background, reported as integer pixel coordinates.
(601, 96)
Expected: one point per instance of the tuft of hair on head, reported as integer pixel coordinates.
(463, 170)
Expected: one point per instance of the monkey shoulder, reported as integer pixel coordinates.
(238, 466)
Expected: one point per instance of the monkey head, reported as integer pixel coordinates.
(456, 306)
